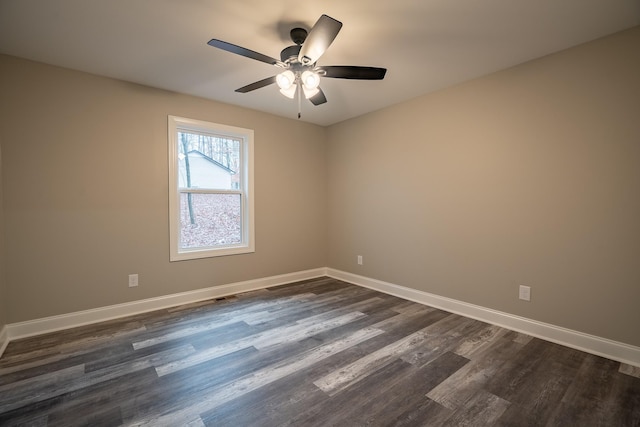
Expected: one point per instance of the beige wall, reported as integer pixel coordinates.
(527, 176)
(86, 192)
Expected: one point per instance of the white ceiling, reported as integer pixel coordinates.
(426, 45)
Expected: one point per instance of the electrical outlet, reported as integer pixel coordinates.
(525, 293)
(359, 259)
(133, 280)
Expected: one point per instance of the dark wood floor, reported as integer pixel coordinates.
(315, 353)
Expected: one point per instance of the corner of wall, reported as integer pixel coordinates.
(3, 291)
(4, 339)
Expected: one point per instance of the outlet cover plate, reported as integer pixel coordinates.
(133, 280)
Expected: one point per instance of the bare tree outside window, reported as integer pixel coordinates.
(209, 162)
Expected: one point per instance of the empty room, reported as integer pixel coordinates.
(363, 213)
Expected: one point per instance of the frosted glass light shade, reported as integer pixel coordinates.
(308, 93)
(285, 79)
(310, 79)
(289, 92)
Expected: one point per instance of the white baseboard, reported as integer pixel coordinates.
(614, 350)
(71, 320)
(4, 339)
(599, 346)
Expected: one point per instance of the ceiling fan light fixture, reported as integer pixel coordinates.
(289, 92)
(310, 80)
(309, 93)
(285, 80)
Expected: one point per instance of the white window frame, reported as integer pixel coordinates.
(247, 245)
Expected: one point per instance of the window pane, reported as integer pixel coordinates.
(209, 220)
(206, 161)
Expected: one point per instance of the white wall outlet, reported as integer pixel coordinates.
(525, 293)
(133, 280)
(359, 259)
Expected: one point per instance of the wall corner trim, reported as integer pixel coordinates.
(599, 346)
(45, 325)
(4, 339)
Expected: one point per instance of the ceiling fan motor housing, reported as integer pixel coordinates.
(290, 54)
(298, 35)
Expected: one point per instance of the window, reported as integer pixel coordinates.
(210, 189)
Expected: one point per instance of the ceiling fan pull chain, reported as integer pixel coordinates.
(299, 101)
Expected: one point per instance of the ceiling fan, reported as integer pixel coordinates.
(301, 74)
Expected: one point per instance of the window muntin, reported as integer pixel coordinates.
(211, 183)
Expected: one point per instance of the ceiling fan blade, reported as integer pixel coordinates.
(353, 72)
(248, 53)
(320, 37)
(318, 98)
(257, 85)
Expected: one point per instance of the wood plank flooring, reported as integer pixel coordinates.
(315, 353)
